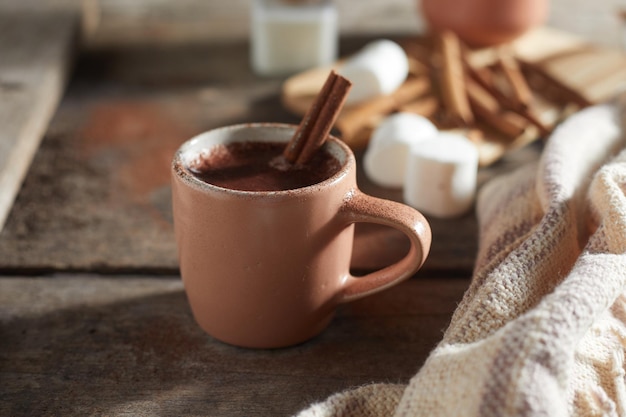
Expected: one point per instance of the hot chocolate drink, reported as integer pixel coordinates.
(268, 269)
(259, 166)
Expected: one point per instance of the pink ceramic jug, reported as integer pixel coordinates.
(485, 22)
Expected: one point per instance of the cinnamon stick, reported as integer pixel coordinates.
(319, 119)
(510, 68)
(453, 79)
(487, 107)
(484, 76)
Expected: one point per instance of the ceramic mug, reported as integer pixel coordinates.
(267, 269)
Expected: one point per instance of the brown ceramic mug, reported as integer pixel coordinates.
(267, 269)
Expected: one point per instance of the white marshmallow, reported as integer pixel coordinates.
(377, 69)
(384, 161)
(441, 175)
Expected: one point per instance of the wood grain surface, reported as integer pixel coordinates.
(35, 54)
(86, 345)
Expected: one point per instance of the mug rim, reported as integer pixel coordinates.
(181, 171)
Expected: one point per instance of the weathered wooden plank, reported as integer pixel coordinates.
(35, 52)
(97, 196)
(85, 345)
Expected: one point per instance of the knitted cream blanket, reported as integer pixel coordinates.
(541, 330)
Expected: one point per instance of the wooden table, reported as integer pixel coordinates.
(93, 316)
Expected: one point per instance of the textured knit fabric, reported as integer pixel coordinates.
(541, 330)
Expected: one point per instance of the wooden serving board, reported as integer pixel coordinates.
(585, 74)
(593, 71)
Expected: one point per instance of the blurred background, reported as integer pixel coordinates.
(165, 21)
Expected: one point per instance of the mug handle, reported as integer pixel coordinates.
(360, 207)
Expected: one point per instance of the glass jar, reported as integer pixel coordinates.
(291, 36)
